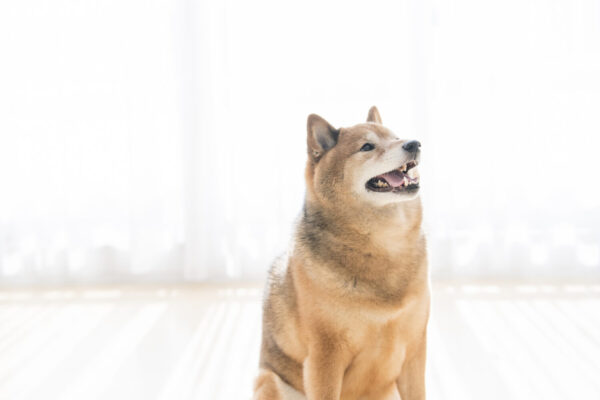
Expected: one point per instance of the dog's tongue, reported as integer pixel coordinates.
(394, 178)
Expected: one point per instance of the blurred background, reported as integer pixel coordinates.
(163, 143)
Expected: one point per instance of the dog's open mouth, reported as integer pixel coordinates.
(397, 180)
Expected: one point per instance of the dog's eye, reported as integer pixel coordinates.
(367, 147)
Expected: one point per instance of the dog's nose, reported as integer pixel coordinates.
(412, 146)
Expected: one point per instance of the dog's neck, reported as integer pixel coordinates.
(385, 226)
(379, 254)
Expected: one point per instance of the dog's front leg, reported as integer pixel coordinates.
(324, 371)
(411, 383)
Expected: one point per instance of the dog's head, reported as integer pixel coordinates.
(364, 164)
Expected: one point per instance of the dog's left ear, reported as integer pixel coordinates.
(374, 115)
(321, 136)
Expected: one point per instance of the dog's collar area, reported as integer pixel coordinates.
(396, 180)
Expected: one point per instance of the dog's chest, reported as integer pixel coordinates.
(380, 359)
(381, 349)
(375, 367)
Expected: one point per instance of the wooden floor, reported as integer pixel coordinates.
(486, 341)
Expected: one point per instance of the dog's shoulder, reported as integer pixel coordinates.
(279, 301)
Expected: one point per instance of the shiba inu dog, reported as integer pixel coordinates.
(345, 311)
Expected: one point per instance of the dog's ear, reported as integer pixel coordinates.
(321, 136)
(374, 115)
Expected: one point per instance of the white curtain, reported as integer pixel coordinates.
(165, 140)
(513, 135)
(91, 143)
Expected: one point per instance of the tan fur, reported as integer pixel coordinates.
(346, 310)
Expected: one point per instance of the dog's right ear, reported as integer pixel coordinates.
(374, 115)
(321, 136)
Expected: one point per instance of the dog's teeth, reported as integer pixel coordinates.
(412, 173)
(405, 181)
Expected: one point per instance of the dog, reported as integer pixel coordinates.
(345, 311)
